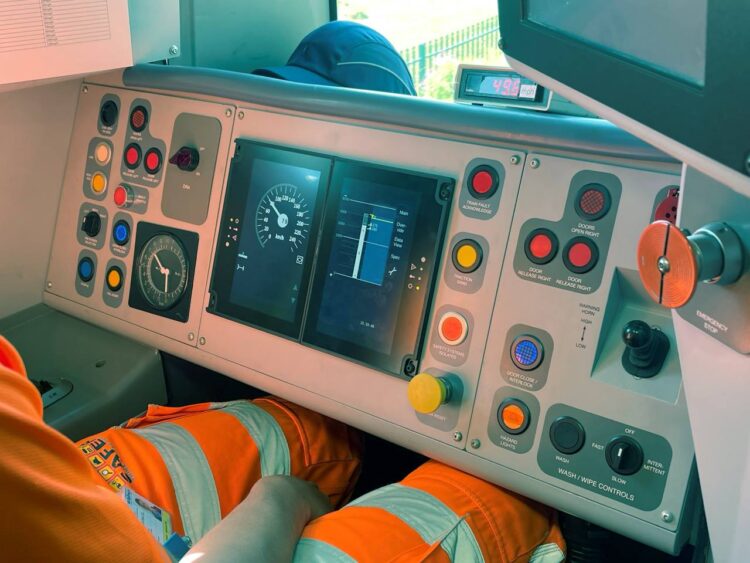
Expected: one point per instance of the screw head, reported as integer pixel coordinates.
(241, 115)
(663, 265)
(202, 341)
(49, 285)
(174, 49)
(534, 163)
(457, 436)
(191, 336)
(228, 112)
(85, 89)
(667, 516)
(515, 159)
(476, 443)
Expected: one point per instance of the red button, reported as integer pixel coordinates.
(132, 156)
(482, 182)
(540, 246)
(580, 255)
(121, 196)
(453, 328)
(153, 161)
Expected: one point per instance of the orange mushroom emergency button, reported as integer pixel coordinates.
(513, 416)
(667, 264)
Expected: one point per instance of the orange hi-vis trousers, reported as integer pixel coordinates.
(200, 461)
(436, 514)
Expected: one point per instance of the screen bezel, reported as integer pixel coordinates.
(430, 226)
(712, 119)
(235, 200)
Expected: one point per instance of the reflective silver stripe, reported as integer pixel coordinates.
(547, 553)
(268, 436)
(191, 476)
(310, 550)
(428, 517)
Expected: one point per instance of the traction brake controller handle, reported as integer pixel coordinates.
(671, 261)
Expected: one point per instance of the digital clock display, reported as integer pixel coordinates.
(511, 87)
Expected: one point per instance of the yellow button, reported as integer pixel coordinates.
(467, 256)
(114, 279)
(102, 153)
(426, 393)
(98, 182)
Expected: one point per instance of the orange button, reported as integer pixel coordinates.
(453, 328)
(513, 417)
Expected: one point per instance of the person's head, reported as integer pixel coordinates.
(348, 54)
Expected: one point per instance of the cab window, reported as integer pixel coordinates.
(433, 36)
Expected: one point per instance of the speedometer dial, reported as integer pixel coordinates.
(283, 218)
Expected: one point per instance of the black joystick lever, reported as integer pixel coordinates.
(645, 349)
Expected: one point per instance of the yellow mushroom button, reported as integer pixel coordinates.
(102, 153)
(114, 278)
(467, 256)
(98, 182)
(426, 393)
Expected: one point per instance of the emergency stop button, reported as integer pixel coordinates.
(467, 256)
(483, 182)
(513, 416)
(453, 328)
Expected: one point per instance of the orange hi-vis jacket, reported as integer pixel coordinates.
(200, 461)
(436, 514)
(53, 506)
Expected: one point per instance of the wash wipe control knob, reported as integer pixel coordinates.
(427, 393)
(671, 261)
(186, 159)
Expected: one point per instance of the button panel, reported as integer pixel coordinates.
(604, 457)
(479, 197)
(585, 231)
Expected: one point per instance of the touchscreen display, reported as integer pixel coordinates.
(271, 220)
(368, 263)
(373, 280)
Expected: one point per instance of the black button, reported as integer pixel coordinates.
(108, 113)
(567, 435)
(91, 224)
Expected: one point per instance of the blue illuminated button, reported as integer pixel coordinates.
(526, 352)
(121, 232)
(86, 269)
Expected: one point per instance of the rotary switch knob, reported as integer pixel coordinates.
(186, 159)
(672, 261)
(624, 455)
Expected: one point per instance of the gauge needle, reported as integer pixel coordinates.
(161, 268)
(166, 279)
(282, 218)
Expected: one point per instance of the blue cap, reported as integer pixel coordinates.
(349, 54)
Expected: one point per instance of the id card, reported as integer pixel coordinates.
(156, 520)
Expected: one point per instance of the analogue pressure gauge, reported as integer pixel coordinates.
(162, 270)
(283, 217)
